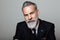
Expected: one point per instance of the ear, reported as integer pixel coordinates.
(37, 12)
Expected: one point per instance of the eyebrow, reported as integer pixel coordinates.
(33, 12)
(30, 12)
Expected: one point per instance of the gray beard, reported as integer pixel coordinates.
(32, 24)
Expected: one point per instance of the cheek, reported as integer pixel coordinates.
(34, 16)
(26, 18)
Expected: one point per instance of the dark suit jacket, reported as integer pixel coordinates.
(45, 31)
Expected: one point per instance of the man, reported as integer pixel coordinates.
(33, 28)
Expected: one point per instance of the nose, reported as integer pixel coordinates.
(29, 17)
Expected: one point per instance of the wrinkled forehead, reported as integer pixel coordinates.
(29, 9)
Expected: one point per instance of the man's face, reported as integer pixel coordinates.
(30, 13)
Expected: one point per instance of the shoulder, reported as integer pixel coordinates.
(46, 25)
(46, 22)
(20, 23)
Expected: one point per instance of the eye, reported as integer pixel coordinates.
(32, 13)
(25, 14)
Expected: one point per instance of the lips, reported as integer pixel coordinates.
(31, 21)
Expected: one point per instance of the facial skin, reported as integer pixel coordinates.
(30, 13)
(31, 16)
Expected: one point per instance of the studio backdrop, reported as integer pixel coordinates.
(11, 14)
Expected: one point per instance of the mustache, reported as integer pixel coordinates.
(31, 21)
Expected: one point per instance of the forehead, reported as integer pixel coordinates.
(28, 9)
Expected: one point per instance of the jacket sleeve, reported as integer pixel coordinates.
(18, 33)
(51, 35)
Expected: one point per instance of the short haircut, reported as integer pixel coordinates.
(28, 3)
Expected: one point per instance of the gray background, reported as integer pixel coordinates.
(11, 14)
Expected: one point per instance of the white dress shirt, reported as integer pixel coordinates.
(36, 28)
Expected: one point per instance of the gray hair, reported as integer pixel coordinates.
(28, 3)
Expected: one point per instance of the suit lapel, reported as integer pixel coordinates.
(41, 29)
(27, 33)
